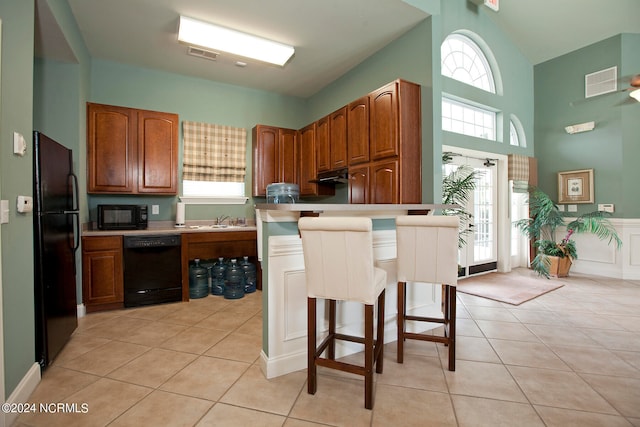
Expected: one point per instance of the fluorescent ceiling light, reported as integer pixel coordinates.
(204, 34)
(635, 94)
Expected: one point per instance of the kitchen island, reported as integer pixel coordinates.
(284, 292)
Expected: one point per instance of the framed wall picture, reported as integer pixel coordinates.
(575, 187)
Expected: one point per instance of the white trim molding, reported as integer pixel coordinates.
(599, 258)
(23, 390)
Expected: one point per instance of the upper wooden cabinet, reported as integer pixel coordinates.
(338, 138)
(358, 131)
(308, 171)
(331, 141)
(323, 145)
(131, 151)
(275, 157)
(383, 122)
(389, 142)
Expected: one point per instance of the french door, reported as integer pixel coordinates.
(480, 253)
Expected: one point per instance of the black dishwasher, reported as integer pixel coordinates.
(152, 270)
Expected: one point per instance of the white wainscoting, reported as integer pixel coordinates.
(286, 317)
(601, 259)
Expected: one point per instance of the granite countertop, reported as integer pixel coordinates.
(168, 227)
(328, 207)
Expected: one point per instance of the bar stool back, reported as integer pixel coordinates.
(427, 252)
(338, 259)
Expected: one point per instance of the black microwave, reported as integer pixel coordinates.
(122, 217)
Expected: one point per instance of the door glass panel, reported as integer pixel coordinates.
(484, 215)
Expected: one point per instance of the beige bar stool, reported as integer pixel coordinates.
(427, 252)
(338, 261)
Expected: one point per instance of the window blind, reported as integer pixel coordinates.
(521, 170)
(213, 153)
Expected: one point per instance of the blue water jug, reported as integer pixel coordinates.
(249, 275)
(218, 276)
(198, 280)
(234, 283)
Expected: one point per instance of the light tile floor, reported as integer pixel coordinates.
(570, 357)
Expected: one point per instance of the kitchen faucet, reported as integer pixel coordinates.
(221, 218)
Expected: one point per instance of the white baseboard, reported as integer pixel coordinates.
(22, 392)
(82, 310)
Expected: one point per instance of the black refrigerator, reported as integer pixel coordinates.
(56, 240)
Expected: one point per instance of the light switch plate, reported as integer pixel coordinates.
(606, 207)
(572, 208)
(25, 204)
(4, 212)
(19, 144)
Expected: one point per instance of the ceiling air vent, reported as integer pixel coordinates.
(202, 53)
(601, 82)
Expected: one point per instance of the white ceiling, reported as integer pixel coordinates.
(330, 36)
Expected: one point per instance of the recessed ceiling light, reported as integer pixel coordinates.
(204, 34)
(241, 64)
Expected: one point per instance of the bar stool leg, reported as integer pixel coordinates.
(332, 330)
(402, 287)
(380, 334)
(311, 346)
(452, 327)
(368, 356)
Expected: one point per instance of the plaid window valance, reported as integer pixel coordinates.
(213, 152)
(522, 170)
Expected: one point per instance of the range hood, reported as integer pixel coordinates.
(338, 176)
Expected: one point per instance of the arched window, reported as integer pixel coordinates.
(516, 133)
(463, 60)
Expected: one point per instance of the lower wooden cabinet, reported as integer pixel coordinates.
(376, 182)
(102, 273)
(227, 244)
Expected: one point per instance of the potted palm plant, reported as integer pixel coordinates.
(554, 258)
(457, 187)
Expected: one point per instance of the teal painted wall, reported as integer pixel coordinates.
(630, 121)
(197, 100)
(612, 148)
(15, 179)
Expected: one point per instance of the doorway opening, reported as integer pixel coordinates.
(487, 245)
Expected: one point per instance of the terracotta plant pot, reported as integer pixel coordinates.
(559, 266)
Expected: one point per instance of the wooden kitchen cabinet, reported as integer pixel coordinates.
(376, 182)
(358, 131)
(393, 145)
(383, 122)
(227, 244)
(307, 161)
(331, 141)
(102, 273)
(275, 157)
(323, 147)
(131, 151)
(359, 186)
(384, 182)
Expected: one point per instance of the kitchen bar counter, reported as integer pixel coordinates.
(167, 227)
(284, 292)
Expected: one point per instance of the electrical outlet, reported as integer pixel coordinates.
(24, 204)
(155, 209)
(606, 207)
(560, 208)
(4, 211)
(572, 208)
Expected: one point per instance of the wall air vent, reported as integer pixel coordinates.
(601, 82)
(202, 53)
